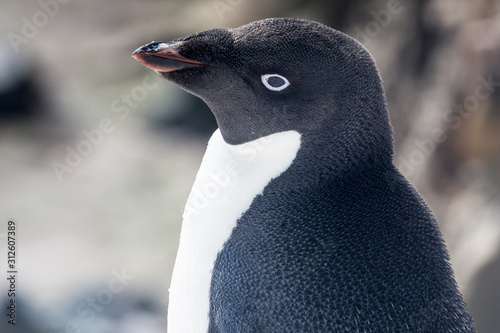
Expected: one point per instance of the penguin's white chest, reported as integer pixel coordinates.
(230, 177)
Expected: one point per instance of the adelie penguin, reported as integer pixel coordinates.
(298, 220)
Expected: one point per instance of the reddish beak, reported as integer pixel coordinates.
(164, 57)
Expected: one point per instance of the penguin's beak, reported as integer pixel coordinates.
(164, 57)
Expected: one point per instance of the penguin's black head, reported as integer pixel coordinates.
(276, 75)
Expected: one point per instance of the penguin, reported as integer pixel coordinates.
(298, 219)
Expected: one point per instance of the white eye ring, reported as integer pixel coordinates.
(265, 80)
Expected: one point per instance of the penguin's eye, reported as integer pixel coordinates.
(274, 82)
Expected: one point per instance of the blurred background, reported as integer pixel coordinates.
(97, 155)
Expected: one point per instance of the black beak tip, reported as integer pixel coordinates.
(152, 47)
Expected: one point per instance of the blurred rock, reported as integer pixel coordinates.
(19, 92)
(485, 300)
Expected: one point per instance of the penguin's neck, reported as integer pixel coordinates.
(336, 151)
(229, 178)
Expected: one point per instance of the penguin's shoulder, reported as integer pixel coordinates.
(306, 255)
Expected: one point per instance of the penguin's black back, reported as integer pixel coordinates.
(360, 252)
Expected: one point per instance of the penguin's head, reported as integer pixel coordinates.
(275, 75)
